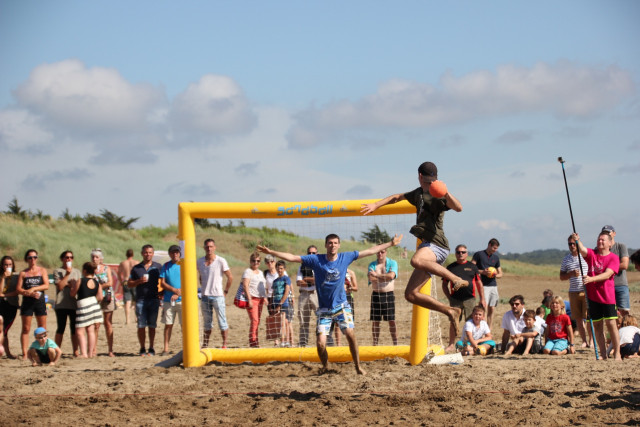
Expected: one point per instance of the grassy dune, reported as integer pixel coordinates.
(51, 237)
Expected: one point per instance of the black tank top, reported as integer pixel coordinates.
(84, 291)
(32, 282)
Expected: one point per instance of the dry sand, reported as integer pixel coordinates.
(491, 390)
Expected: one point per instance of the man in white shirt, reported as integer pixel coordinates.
(513, 320)
(211, 268)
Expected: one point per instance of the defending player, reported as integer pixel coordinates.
(329, 271)
(434, 248)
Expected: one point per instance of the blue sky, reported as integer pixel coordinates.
(137, 106)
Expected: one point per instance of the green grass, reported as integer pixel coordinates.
(51, 237)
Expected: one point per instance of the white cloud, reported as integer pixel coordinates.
(359, 191)
(247, 168)
(71, 96)
(493, 225)
(41, 181)
(186, 189)
(630, 168)
(120, 121)
(214, 106)
(20, 130)
(515, 137)
(564, 89)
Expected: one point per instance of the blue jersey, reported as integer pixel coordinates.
(171, 274)
(330, 277)
(279, 286)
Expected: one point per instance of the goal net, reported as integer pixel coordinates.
(238, 228)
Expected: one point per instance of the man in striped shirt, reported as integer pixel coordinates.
(570, 270)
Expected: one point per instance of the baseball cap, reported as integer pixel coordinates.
(174, 248)
(609, 229)
(39, 330)
(428, 169)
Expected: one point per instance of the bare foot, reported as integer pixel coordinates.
(584, 345)
(112, 354)
(360, 371)
(450, 348)
(459, 284)
(323, 370)
(52, 364)
(34, 364)
(11, 356)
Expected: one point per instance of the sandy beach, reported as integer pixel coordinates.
(491, 390)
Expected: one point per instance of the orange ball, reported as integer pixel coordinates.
(438, 189)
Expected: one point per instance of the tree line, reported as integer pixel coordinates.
(106, 218)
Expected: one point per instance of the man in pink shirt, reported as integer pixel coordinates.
(601, 294)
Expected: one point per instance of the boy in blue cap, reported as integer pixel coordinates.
(43, 350)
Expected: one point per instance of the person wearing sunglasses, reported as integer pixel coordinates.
(465, 297)
(65, 277)
(253, 285)
(32, 284)
(43, 351)
(513, 321)
(573, 267)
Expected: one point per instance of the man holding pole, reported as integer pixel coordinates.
(602, 266)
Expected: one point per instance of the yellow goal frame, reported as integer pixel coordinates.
(194, 356)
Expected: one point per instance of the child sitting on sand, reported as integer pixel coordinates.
(476, 335)
(629, 337)
(559, 333)
(43, 350)
(529, 341)
(540, 315)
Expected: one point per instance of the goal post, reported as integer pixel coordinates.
(194, 355)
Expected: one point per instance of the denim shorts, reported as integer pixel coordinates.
(622, 297)
(147, 313)
(207, 305)
(559, 345)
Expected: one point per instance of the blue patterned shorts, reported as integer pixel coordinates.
(341, 315)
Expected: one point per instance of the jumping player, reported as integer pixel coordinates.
(434, 246)
(329, 271)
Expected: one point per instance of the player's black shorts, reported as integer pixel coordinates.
(599, 311)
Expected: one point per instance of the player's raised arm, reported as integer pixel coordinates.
(282, 255)
(375, 249)
(367, 208)
(453, 203)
